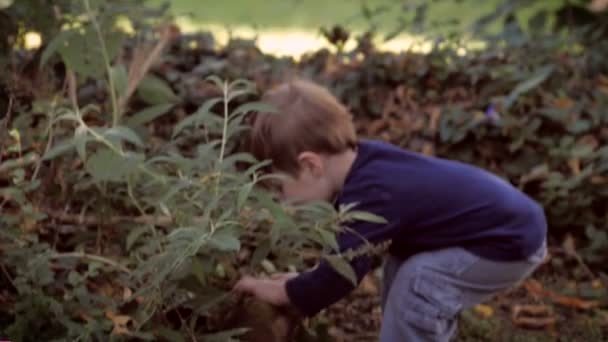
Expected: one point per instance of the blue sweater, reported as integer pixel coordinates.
(429, 203)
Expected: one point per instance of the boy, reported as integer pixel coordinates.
(458, 234)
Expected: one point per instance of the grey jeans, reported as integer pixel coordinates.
(423, 295)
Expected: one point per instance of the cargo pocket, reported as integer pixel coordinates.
(432, 304)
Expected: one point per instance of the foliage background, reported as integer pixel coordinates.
(125, 208)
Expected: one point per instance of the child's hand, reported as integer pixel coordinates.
(271, 290)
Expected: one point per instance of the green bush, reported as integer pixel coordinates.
(111, 231)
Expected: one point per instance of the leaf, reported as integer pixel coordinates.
(261, 252)
(148, 114)
(124, 133)
(343, 267)
(243, 195)
(260, 107)
(154, 90)
(539, 77)
(106, 165)
(225, 240)
(80, 141)
(198, 270)
(134, 235)
(569, 246)
(197, 118)
(52, 47)
(329, 239)
(59, 149)
(533, 316)
(483, 311)
(366, 217)
(216, 80)
(81, 51)
(120, 78)
(225, 336)
(120, 323)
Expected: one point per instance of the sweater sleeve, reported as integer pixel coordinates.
(314, 290)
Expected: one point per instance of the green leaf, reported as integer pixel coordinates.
(243, 195)
(365, 216)
(121, 79)
(261, 252)
(539, 77)
(154, 90)
(328, 238)
(225, 240)
(198, 270)
(260, 107)
(124, 133)
(134, 235)
(198, 117)
(52, 47)
(80, 141)
(343, 267)
(74, 278)
(81, 50)
(216, 80)
(106, 165)
(59, 149)
(148, 114)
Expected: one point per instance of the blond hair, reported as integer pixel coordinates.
(309, 118)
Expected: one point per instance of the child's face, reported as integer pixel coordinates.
(312, 183)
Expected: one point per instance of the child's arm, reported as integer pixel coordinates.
(316, 289)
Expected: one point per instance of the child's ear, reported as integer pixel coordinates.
(312, 162)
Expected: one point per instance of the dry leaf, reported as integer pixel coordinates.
(127, 293)
(532, 310)
(119, 321)
(563, 103)
(533, 316)
(575, 166)
(483, 310)
(434, 115)
(534, 288)
(535, 322)
(569, 246)
(368, 286)
(597, 284)
(574, 302)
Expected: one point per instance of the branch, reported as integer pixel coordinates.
(91, 257)
(142, 62)
(91, 220)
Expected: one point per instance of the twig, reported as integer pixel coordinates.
(91, 257)
(93, 220)
(9, 111)
(71, 82)
(106, 59)
(8, 276)
(138, 69)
